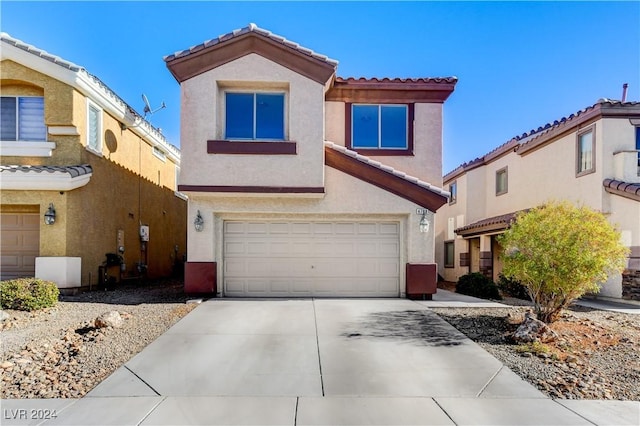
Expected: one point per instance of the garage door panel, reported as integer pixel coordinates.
(302, 259)
(20, 244)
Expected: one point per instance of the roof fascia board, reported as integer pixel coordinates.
(387, 181)
(81, 81)
(43, 181)
(208, 58)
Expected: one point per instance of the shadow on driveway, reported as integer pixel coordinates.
(417, 327)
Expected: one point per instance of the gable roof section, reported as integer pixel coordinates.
(430, 89)
(537, 138)
(624, 189)
(87, 84)
(211, 54)
(385, 177)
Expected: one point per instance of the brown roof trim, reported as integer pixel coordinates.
(491, 224)
(382, 179)
(252, 147)
(207, 56)
(623, 189)
(428, 90)
(252, 189)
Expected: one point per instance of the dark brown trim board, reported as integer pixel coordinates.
(200, 277)
(252, 147)
(387, 181)
(422, 280)
(429, 90)
(252, 189)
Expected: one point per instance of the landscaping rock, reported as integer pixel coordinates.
(534, 330)
(4, 316)
(109, 319)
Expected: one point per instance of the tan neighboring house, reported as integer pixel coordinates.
(590, 158)
(81, 174)
(302, 183)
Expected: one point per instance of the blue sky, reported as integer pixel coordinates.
(520, 65)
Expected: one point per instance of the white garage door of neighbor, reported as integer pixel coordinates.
(304, 259)
(20, 235)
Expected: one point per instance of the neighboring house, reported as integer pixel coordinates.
(590, 158)
(303, 183)
(70, 145)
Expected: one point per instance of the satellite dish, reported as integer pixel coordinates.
(147, 106)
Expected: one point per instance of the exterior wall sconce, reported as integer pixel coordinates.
(424, 221)
(50, 215)
(198, 222)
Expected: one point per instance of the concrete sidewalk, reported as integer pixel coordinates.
(296, 362)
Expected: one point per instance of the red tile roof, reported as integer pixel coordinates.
(624, 189)
(496, 223)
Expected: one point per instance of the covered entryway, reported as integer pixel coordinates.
(311, 259)
(20, 236)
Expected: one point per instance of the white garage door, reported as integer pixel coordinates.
(304, 259)
(20, 235)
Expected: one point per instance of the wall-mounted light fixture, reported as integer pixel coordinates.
(50, 215)
(424, 221)
(198, 222)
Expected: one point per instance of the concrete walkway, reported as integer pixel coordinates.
(299, 362)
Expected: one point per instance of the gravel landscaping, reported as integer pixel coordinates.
(58, 353)
(595, 357)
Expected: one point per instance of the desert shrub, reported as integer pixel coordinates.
(477, 285)
(560, 252)
(513, 288)
(28, 294)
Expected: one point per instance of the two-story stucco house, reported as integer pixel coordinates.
(80, 174)
(302, 183)
(590, 158)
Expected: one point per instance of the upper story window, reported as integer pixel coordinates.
(159, 153)
(585, 152)
(254, 116)
(22, 119)
(638, 147)
(379, 126)
(94, 128)
(453, 190)
(502, 180)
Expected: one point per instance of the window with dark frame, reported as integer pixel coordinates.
(638, 147)
(502, 181)
(379, 126)
(449, 254)
(22, 118)
(453, 190)
(585, 153)
(254, 116)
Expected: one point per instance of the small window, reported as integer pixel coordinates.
(159, 153)
(449, 254)
(502, 181)
(453, 190)
(254, 116)
(638, 147)
(94, 128)
(22, 119)
(585, 153)
(379, 126)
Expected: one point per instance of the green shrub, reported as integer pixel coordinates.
(477, 285)
(28, 294)
(512, 288)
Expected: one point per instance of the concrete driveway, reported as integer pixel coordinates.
(317, 362)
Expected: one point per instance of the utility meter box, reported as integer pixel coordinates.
(144, 233)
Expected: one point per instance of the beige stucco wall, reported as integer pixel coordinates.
(202, 119)
(339, 204)
(425, 164)
(548, 173)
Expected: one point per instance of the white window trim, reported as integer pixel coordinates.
(160, 154)
(285, 114)
(379, 147)
(26, 149)
(98, 151)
